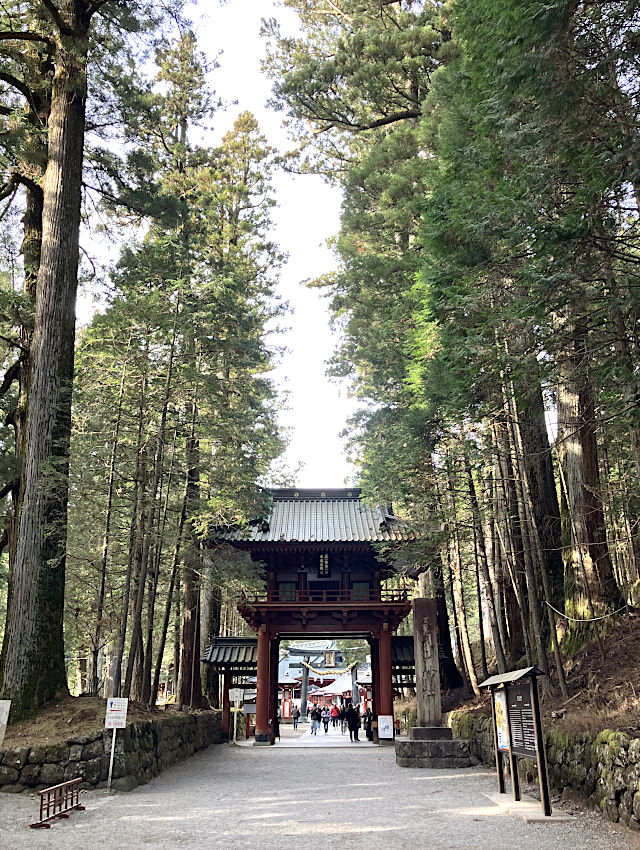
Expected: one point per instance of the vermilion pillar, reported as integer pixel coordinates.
(386, 688)
(262, 696)
(375, 675)
(226, 710)
(273, 684)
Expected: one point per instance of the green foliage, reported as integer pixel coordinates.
(183, 337)
(480, 229)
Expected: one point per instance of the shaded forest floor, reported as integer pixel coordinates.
(68, 718)
(601, 696)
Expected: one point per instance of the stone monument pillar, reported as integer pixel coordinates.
(425, 649)
(430, 744)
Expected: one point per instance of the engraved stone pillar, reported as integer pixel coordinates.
(425, 637)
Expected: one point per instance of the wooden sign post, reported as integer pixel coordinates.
(517, 727)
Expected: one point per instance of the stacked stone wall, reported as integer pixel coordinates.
(602, 769)
(142, 750)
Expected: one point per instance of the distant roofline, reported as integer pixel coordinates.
(315, 493)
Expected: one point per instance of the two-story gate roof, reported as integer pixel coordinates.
(320, 516)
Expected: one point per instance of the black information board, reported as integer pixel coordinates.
(523, 733)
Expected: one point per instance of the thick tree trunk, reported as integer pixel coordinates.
(481, 637)
(214, 610)
(483, 570)
(133, 538)
(461, 616)
(591, 586)
(518, 477)
(106, 540)
(169, 605)
(458, 592)
(190, 691)
(32, 666)
(510, 540)
(138, 575)
(151, 530)
(538, 463)
(456, 622)
(449, 673)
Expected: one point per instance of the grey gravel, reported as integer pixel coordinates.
(243, 797)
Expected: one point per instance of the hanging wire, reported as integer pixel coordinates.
(586, 619)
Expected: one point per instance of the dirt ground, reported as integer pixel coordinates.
(601, 695)
(66, 718)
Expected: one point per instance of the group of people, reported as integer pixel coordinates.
(347, 715)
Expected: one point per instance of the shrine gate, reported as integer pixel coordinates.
(323, 579)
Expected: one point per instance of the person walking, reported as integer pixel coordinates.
(334, 715)
(343, 719)
(326, 717)
(295, 716)
(367, 719)
(353, 722)
(315, 720)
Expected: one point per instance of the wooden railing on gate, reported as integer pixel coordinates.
(57, 802)
(350, 595)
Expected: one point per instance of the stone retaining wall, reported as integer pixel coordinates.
(602, 769)
(143, 749)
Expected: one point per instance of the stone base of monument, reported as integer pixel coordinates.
(432, 747)
(430, 733)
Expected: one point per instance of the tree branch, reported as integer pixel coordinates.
(9, 187)
(15, 83)
(14, 343)
(33, 185)
(9, 35)
(4, 491)
(98, 4)
(56, 17)
(11, 375)
(403, 115)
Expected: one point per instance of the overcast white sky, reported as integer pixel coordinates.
(307, 215)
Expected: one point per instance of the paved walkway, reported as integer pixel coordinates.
(275, 797)
(302, 738)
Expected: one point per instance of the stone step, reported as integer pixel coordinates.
(433, 754)
(430, 733)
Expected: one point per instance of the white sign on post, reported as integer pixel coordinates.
(5, 705)
(116, 718)
(116, 713)
(385, 726)
(236, 695)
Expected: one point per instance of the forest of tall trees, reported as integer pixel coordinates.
(486, 304)
(487, 293)
(107, 499)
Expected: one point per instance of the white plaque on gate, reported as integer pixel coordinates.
(385, 726)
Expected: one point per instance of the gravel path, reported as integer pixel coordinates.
(270, 797)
